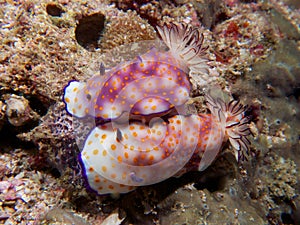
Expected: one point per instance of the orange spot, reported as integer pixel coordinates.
(90, 142)
(113, 147)
(111, 187)
(134, 134)
(97, 180)
(113, 176)
(120, 159)
(156, 148)
(96, 135)
(104, 169)
(104, 153)
(126, 155)
(153, 107)
(95, 151)
(151, 157)
(131, 128)
(103, 136)
(75, 99)
(91, 169)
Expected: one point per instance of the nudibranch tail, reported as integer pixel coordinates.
(186, 44)
(232, 117)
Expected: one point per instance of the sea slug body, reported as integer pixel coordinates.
(119, 155)
(116, 158)
(153, 83)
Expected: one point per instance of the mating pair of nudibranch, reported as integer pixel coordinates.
(159, 137)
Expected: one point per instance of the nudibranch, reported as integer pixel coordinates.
(153, 83)
(119, 155)
(117, 158)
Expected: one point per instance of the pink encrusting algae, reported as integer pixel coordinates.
(119, 155)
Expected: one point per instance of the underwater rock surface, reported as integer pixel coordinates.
(254, 55)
